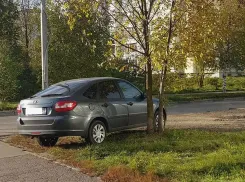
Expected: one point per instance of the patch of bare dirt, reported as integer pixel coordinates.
(231, 120)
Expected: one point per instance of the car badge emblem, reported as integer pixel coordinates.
(35, 102)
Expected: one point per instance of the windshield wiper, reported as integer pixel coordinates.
(33, 96)
(50, 95)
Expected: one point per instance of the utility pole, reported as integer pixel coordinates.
(44, 45)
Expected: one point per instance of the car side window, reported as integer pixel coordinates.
(108, 90)
(128, 90)
(91, 92)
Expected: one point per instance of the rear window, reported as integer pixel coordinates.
(59, 89)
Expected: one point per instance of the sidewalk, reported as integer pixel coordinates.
(19, 166)
(9, 151)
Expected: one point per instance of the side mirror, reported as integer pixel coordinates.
(144, 95)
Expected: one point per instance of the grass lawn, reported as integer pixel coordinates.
(8, 106)
(177, 155)
(203, 96)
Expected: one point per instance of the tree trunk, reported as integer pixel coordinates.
(201, 80)
(161, 119)
(161, 125)
(150, 114)
(224, 81)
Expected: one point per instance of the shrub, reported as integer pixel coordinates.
(213, 82)
(235, 83)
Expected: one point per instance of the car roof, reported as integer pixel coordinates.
(87, 80)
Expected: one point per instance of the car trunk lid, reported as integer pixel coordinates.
(36, 111)
(40, 106)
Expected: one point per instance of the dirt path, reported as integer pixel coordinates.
(231, 120)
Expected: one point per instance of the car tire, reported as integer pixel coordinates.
(96, 133)
(47, 141)
(156, 117)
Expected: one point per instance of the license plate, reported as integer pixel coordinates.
(35, 111)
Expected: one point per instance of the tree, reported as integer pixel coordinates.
(28, 30)
(11, 55)
(213, 36)
(201, 35)
(231, 45)
(164, 65)
(169, 53)
(130, 20)
(78, 52)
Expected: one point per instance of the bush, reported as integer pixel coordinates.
(235, 83)
(7, 106)
(214, 82)
(177, 83)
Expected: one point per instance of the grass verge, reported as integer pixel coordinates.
(203, 96)
(177, 155)
(4, 106)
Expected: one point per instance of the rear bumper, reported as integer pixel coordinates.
(53, 133)
(55, 126)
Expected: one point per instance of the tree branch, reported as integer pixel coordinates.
(154, 14)
(150, 8)
(133, 24)
(124, 27)
(124, 45)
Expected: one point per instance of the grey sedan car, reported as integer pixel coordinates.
(90, 108)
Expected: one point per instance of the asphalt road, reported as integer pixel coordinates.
(8, 123)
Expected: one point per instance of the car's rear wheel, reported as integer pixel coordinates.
(97, 133)
(47, 141)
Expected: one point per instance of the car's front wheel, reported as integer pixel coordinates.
(97, 132)
(47, 141)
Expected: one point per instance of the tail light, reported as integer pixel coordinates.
(18, 109)
(64, 106)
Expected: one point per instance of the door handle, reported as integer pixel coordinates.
(130, 103)
(105, 105)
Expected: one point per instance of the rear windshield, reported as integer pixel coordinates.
(59, 89)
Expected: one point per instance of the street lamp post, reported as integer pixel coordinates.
(44, 45)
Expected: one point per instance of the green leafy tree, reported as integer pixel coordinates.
(11, 55)
(77, 52)
(200, 36)
(231, 31)
(162, 52)
(169, 53)
(214, 36)
(73, 53)
(28, 31)
(130, 20)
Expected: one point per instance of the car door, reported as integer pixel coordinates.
(114, 107)
(137, 105)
